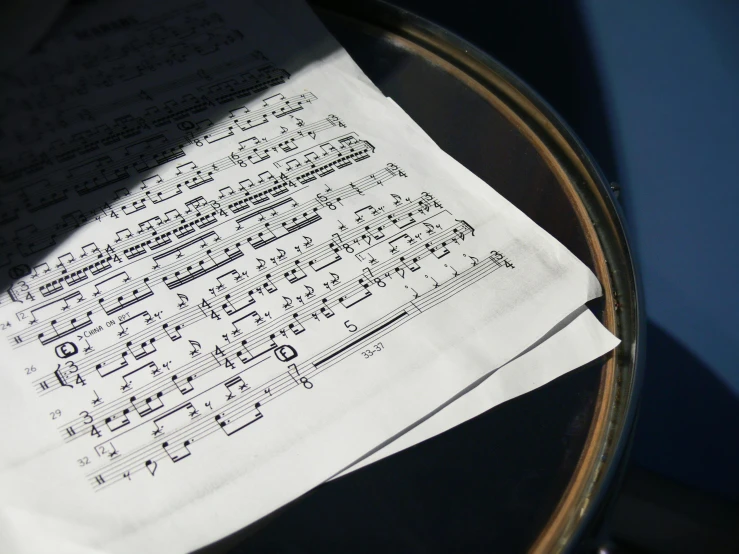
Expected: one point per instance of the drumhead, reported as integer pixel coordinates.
(535, 473)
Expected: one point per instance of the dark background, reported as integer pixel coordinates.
(651, 88)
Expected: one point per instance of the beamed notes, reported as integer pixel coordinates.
(231, 270)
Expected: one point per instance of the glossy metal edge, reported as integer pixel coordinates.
(599, 469)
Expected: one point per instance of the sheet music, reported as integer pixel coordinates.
(577, 340)
(580, 340)
(233, 273)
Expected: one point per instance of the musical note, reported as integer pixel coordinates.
(195, 348)
(187, 256)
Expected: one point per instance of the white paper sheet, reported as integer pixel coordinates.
(234, 274)
(581, 340)
(577, 340)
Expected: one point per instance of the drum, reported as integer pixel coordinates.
(535, 473)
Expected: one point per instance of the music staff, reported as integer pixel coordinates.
(205, 244)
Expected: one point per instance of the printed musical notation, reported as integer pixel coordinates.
(229, 263)
(190, 254)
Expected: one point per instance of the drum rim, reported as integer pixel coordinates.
(599, 470)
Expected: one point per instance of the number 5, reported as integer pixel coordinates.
(352, 328)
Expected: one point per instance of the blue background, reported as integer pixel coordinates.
(652, 89)
(669, 73)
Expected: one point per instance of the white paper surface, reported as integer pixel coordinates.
(581, 340)
(575, 341)
(235, 274)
